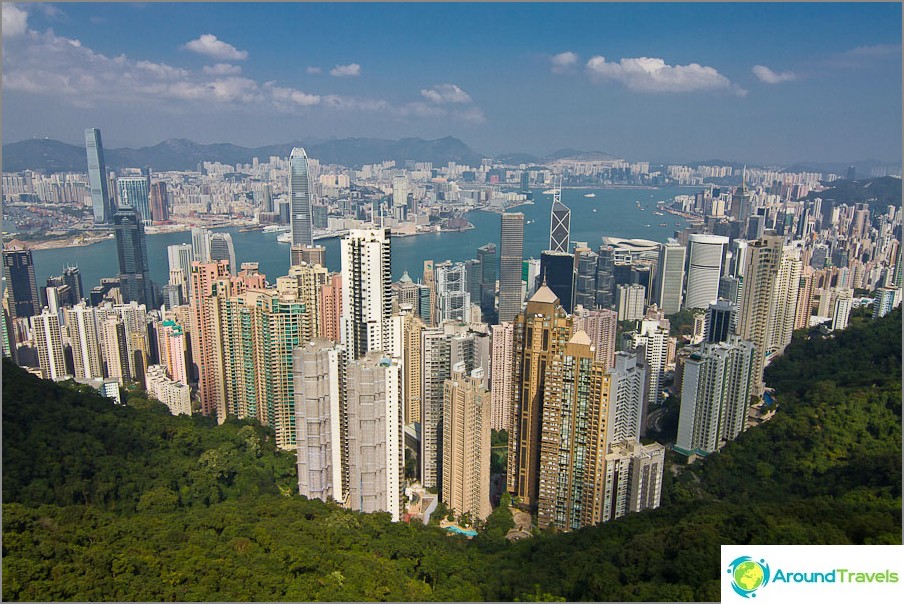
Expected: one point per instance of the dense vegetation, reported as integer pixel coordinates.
(878, 192)
(128, 503)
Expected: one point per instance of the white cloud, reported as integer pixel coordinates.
(346, 71)
(875, 50)
(772, 77)
(63, 68)
(312, 69)
(209, 45)
(646, 74)
(15, 20)
(222, 69)
(562, 61)
(446, 93)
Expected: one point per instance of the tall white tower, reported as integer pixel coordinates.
(366, 291)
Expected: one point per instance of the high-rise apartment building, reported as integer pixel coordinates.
(210, 288)
(501, 376)
(756, 317)
(180, 257)
(172, 348)
(376, 454)
(366, 291)
(97, 177)
(175, 395)
(19, 270)
(200, 244)
(629, 302)
(430, 285)
(652, 343)
(330, 308)
(842, 302)
(48, 338)
(670, 277)
(412, 364)
(601, 325)
(572, 444)
(784, 314)
(320, 416)
(132, 250)
(81, 327)
(466, 444)
(884, 302)
(704, 269)
(300, 198)
(720, 321)
(715, 394)
(633, 478)
(628, 382)
(511, 251)
(804, 307)
(541, 329)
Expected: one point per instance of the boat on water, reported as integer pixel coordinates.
(590, 195)
(659, 213)
(550, 191)
(285, 238)
(594, 210)
(663, 224)
(646, 225)
(274, 228)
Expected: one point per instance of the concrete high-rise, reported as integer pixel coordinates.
(652, 343)
(541, 329)
(585, 277)
(466, 444)
(200, 244)
(320, 414)
(559, 226)
(81, 327)
(300, 198)
(670, 277)
(452, 298)
(376, 453)
(19, 270)
(601, 326)
(132, 250)
(704, 269)
(633, 478)
(49, 342)
(159, 202)
(628, 382)
(884, 302)
(715, 394)
(180, 257)
(330, 303)
(97, 177)
(366, 291)
(412, 364)
(784, 304)
(501, 376)
(629, 302)
(511, 251)
(804, 299)
(210, 288)
(756, 317)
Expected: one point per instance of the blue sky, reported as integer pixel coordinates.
(767, 83)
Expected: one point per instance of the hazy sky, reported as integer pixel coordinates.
(749, 82)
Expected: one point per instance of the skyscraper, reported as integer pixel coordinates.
(633, 478)
(200, 244)
(131, 246)
(366, 291)
(715, 394)
(572, 443)
(543, 327)
(221, 248)
(466, 444)
(585, 277)
(559, 226)
(97, 177)
(557, 270)
(756, 314)
(510, 257)
(330, 303)
(135, 193)
(210, 287)
(501, 376)
(180, 257)
(452, 298)
(704, 269)
(159, 202)
(81, 326)
(670, 277)
(720, 322)
(652, 343)
(19, 270)
(319, 418)
(787, 286)
(628, 382)
(376, 453)
(488, 265)
(49, 341)
(629, 302)
(601, 325)
(300, 198)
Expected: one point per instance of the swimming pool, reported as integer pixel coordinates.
(460, 531)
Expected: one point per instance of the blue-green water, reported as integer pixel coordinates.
(616, 216)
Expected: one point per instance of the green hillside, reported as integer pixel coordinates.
(128, 503)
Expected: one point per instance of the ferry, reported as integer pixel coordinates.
(594, 210)
(663, 224)
(274, 228)
(285, 238)
(658, 213)
(550, 191)
(590, 195)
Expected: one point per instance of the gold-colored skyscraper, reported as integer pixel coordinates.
(541, 330)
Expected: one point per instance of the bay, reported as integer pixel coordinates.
(616, 215)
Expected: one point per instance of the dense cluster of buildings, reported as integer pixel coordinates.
(571, 354)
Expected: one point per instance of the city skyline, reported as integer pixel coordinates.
(797, 82)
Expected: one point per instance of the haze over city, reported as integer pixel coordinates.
(767, 83)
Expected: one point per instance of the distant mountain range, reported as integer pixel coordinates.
(182, 154)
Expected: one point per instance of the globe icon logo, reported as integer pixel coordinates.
(748, 575)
